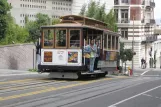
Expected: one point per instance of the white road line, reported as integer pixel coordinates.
(145, 72)
(134, 96)
(147, 95)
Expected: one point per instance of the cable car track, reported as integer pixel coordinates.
(87, 89)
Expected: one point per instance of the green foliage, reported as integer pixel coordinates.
(34, 27)
(91, 9)
(125, 54)
(14, 33)
(55, 21)
(33, 70)
(111, 20)
(4, 8)
(98, 12)
(129, 54)
(83, 9)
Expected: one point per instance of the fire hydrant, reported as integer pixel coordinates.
(130, 71)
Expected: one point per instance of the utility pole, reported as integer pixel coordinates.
(133, 47)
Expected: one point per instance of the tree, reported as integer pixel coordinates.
(14, 33)
(83, 9)
(55, 21)
(100, 13)
(34, 27)
(4, 8)
(97, 11)
(91, 9)
(125, 54)
(111, 20)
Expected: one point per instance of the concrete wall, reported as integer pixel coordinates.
(18, 57)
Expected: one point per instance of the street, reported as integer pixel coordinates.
(37, 90)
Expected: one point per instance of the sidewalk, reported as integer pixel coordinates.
(7, 72)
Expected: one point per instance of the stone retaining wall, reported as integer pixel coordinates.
(18, 57)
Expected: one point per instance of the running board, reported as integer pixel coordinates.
(65, 75)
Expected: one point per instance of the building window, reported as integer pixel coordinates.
(116, 2)
(124, 15)
(124, 1)
(124, 33)
(135, 12)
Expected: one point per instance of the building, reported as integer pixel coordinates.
(53, 8)
(135, 20)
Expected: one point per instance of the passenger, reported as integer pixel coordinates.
(93, 51)
(97, 56)
(87, 53)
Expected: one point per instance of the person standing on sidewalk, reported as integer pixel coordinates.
(142, 63)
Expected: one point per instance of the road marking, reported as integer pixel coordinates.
(152, 96)
(147, 95)
(26, 80)
(145, 72)
(26, 87)
(15, 81)
(134, 96)
(53, 89)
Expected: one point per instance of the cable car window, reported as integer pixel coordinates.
(105, 41)
(48, 38)
(109, 42)
(113, 43)
(74, 38)
(117, 42)
(61, 35)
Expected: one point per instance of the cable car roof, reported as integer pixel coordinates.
(75, 21)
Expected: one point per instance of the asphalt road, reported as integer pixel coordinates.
(147, 72)
(40, 91)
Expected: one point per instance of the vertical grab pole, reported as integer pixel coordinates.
(89, 41)
(38, 55)
(33, 59)
(83, 51)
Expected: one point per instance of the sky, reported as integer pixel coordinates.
(157, 10)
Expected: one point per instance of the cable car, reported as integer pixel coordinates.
(62, 48)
